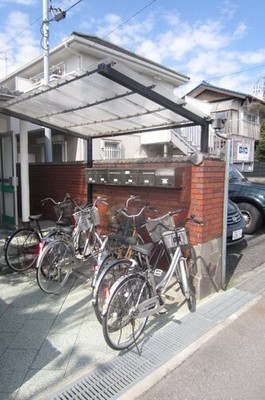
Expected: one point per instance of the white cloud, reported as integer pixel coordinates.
(128, 35)
(203, 51)
(253, 57)
(20, 42)
(18, 2)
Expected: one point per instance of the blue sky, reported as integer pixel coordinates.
(221, 42)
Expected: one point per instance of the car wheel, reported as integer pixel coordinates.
(252, 217)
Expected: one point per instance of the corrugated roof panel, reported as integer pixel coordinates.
(96, 103)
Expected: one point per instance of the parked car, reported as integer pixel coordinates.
(235, 224)
(250, 198)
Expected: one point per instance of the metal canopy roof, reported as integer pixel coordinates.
(107, 99)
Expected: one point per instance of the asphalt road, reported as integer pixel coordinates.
(245, 257)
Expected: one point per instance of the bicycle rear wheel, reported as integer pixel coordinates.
(121, 325)
(54, 266)
(22, 249)
(106, 279)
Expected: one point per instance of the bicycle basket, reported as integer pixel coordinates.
(64, 210)
(182, 236)
(155, 230)
(86, 217)
(83, 218)
(170, 240)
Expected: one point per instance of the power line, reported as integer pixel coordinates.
(24, 30)
(124, 23)
(238, 72)
(113, 30)
(129, 19)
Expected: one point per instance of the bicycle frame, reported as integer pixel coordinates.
(153, 305)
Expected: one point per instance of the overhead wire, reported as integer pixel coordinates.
(129, 19)
(107, 34)
(115, 29)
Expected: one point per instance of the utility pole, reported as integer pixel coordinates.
(45, 25)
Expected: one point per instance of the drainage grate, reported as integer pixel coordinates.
(115, 377)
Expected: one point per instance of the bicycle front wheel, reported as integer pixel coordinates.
(186, 286)
(22, 249)
(106, 279)
(54, 266)
(121, 324)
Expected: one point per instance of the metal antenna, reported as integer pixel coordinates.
(4, 56)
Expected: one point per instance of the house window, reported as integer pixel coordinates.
(220, 114)
(251, 118)
(112, 150)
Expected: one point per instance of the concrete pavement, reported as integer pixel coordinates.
(52, 346)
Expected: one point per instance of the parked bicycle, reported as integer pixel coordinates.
(21, 248)
(115, 264)
(63, 255)
(128, 228)
(136, 296)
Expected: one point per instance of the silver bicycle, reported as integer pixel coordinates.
(61, 256)
(22, 247)
(136, 296)
(117, 263)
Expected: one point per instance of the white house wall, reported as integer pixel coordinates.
(130, 147)
(4, 124)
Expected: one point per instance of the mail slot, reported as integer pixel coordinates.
(102, 176)
(115, 176)
(130, 177)
(90, 175)
(147, 177)
(165, 177)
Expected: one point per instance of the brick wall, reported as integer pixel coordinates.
(207, 191)
(201, 194)
(199, 191)
(54, 180)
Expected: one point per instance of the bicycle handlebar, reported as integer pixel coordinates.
(123, 211)
(100, 199)
(194, 219)
(171, 213)
(67, 197)
(132, 197)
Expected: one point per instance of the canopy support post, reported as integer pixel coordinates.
(90, 165)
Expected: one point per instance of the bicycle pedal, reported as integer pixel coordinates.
(168, 297)
(163, 311)
(158, 272)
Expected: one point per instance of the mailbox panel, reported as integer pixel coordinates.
(102, 176)
(90, 175)
(147, 177)
(165, 177)
(130, 177)
(115, 176)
